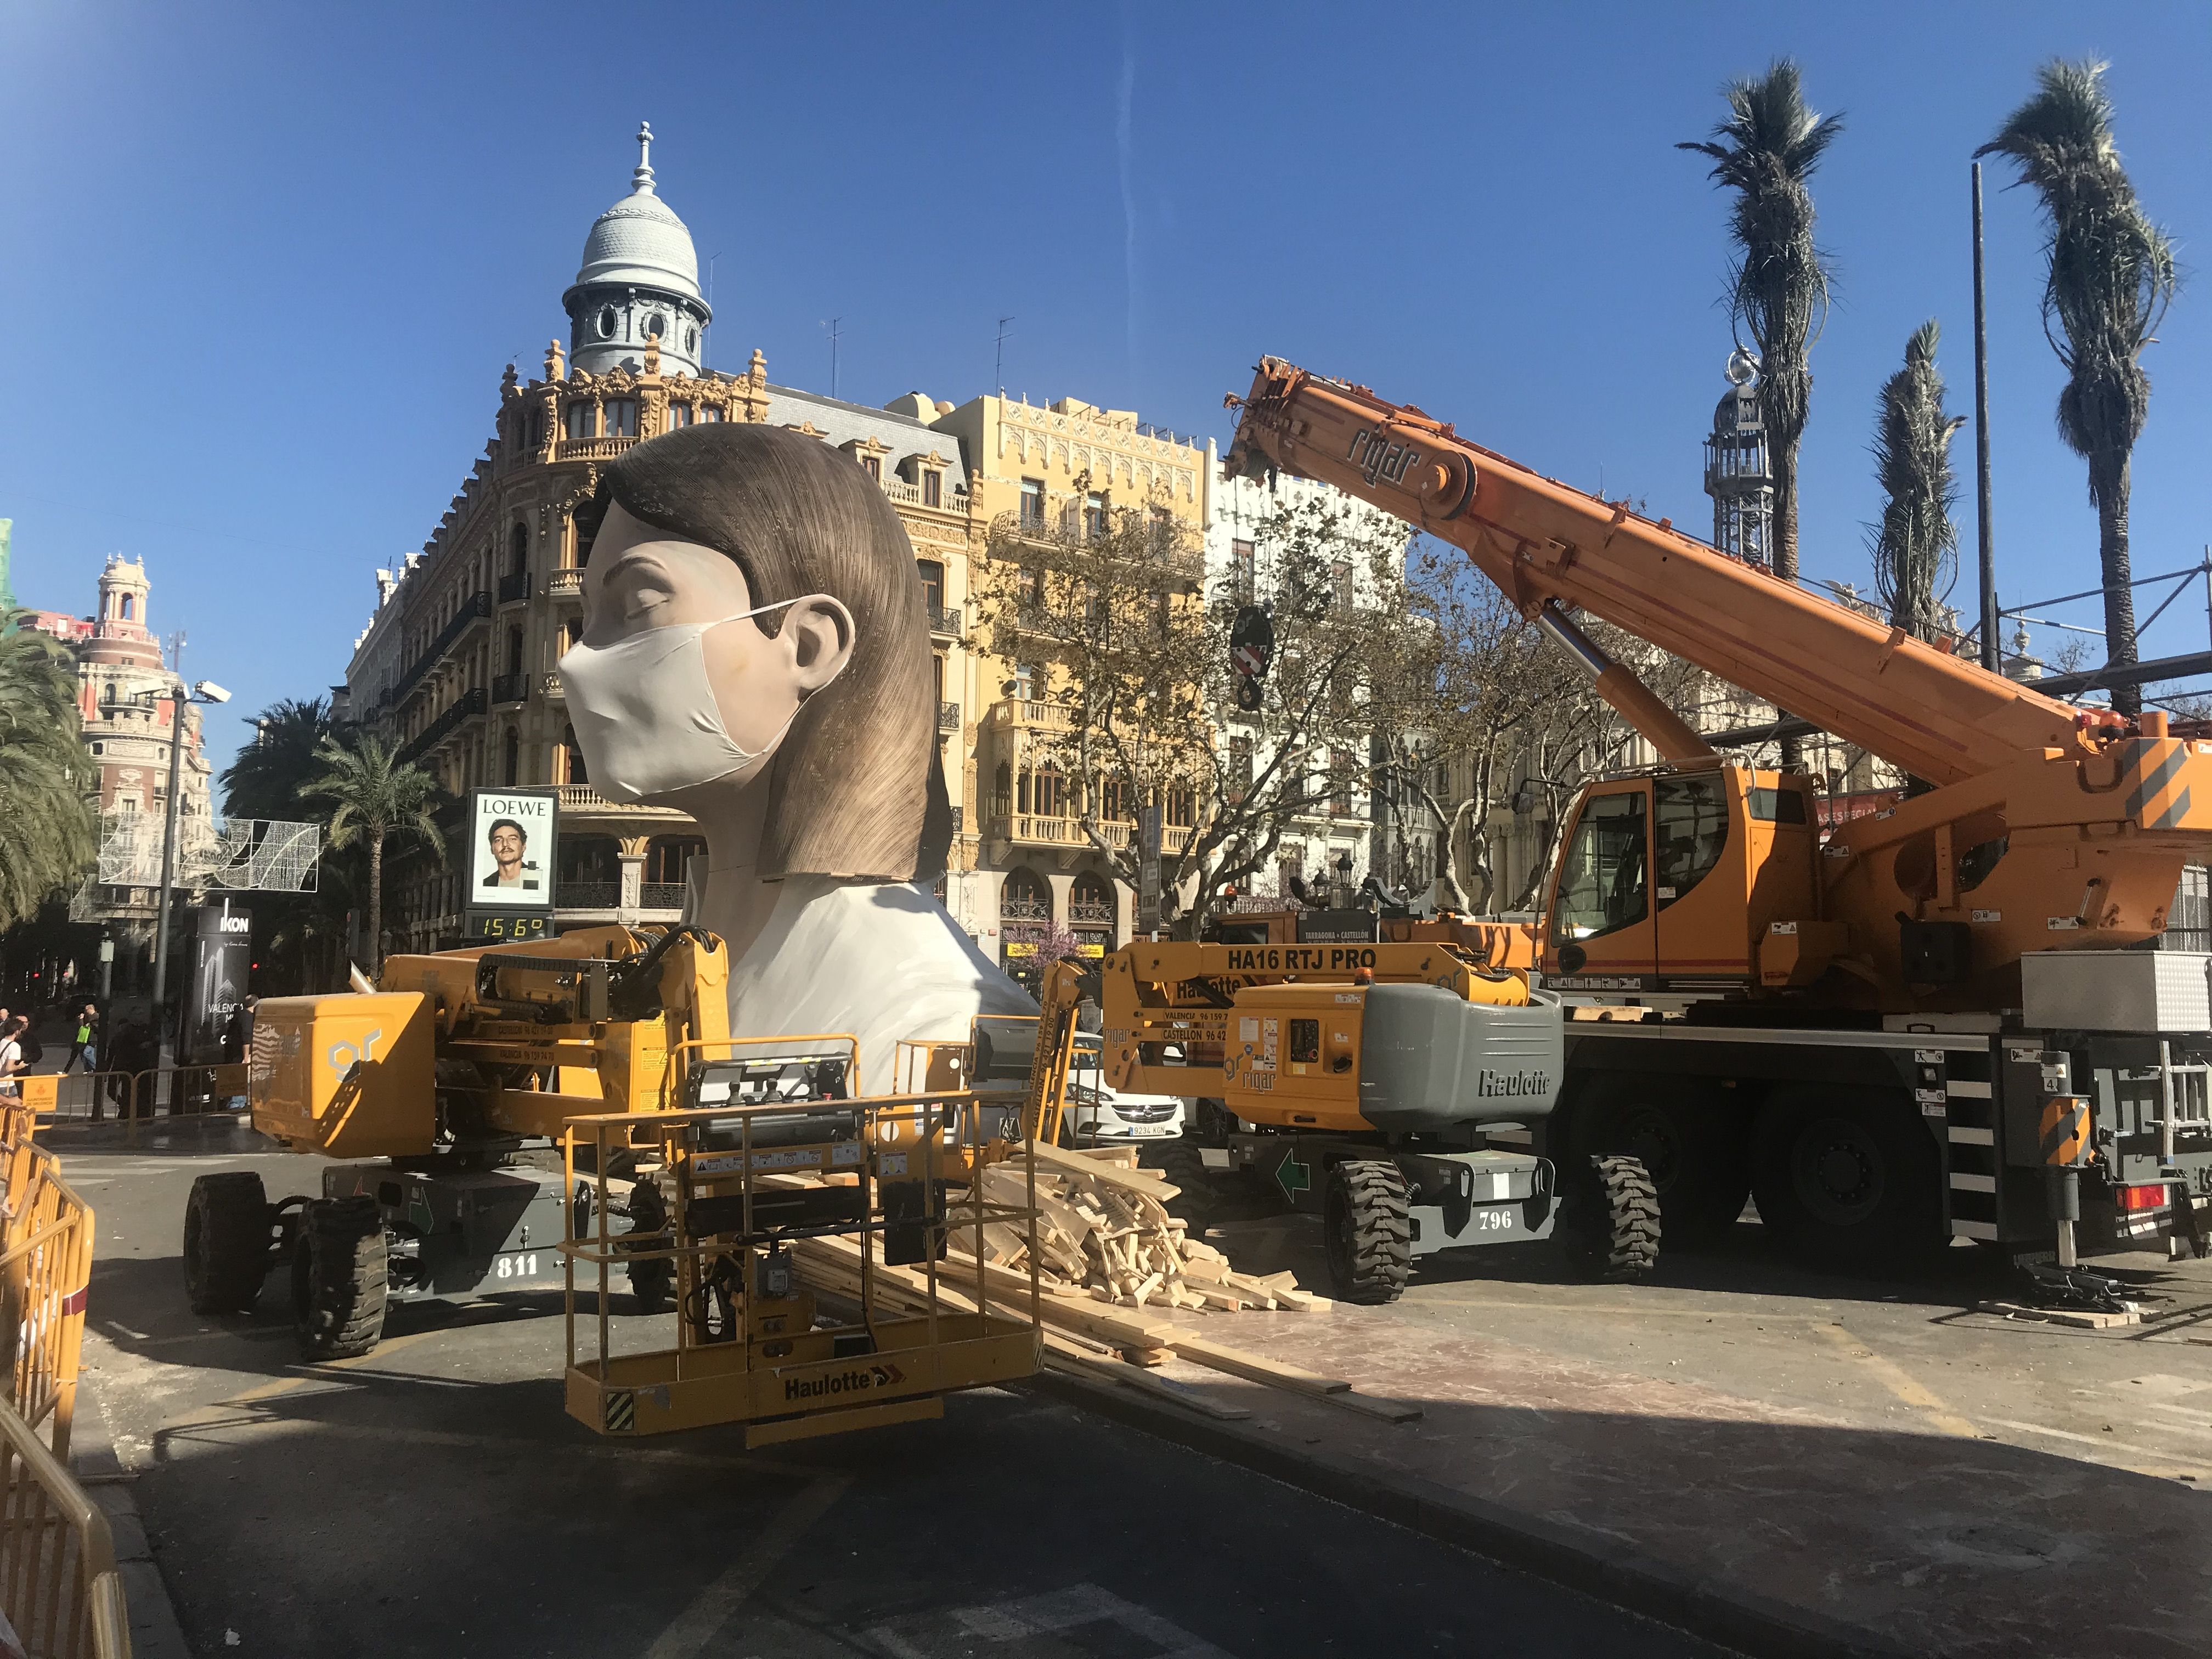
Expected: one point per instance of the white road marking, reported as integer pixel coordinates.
(1056, 1610)
(711, 1608)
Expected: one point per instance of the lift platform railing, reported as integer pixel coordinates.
(860, 1185)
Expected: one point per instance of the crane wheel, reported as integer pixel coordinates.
(1849, 1178)
(339, 1281)
(1611, 1223)
(226, 1238)
(652, 1284)
(1368, 1233)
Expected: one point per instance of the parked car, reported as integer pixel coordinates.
(1098, 1113)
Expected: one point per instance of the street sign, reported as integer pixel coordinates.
(1148, 869)
(1251, 642)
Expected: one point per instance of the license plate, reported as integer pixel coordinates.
(525, 1265)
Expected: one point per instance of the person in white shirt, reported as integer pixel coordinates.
(11, 1053)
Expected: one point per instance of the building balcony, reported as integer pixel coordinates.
(1041, 829)
(945, 622)
(586, 894)
(1026, 711)
(948, 717)
(514, 589)
(1090, 913)
(463, 707)
(907, 494)
(565, 584)
(591, 449)
(581, 798)
(510, 688)
(475, 609)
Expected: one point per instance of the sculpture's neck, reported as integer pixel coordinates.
(736, 903)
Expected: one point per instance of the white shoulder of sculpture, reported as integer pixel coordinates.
(882, 960)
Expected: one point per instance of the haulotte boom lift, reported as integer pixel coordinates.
(1932, 1021)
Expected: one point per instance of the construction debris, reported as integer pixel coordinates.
(1104, 1230)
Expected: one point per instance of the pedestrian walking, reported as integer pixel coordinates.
(11, 1056)
(82, 1044)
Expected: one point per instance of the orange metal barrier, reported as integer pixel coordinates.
(45, 1267)
(60, 1593)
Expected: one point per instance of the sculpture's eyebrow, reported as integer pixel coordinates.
(640, 557)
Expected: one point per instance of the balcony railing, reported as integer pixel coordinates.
(590, 449)
(474, 608)
(944, 620)
(1091, 911)
(1042, 829)
(581, 797)
(948, 717)
(907, 494)
(515, 588)
(662, 896)
(510, 688)
(1023, 910)
(1022, 711)
(588, 894)
(565, 584)
(467, 706)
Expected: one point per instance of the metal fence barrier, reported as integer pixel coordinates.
(134, 1096)
(60, 1593)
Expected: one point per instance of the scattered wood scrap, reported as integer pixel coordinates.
(1104, 1230)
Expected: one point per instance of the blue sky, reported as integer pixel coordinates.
(264, 263)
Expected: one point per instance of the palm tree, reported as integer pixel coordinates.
(264, 781)
(1765, 151)
(378, 796)
(46, 838)
(1915, 547)
(2110, 278)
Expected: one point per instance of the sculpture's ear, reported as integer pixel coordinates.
(818, 632)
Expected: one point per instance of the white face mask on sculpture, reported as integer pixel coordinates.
(645, 711)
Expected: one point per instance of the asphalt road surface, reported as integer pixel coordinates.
(434, 1499)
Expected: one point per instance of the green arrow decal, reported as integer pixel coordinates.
(1292, 1176)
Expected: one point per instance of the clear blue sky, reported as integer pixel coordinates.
(264, 263)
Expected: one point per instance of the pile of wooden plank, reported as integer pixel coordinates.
(1104, 1230)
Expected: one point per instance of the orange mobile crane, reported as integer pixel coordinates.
(1936, 1020)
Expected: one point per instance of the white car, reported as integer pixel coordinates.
(1096, 1112)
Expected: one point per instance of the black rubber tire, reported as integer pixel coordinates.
(1178, 1163)
(1849, 1179)
(1694, 1145)
(1367, 1231)
(227, 1242)
(1609, 1219)
(652, 1284)
(339, 1277)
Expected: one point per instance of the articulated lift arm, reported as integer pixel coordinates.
(1548, 546)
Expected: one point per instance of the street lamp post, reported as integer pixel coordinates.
(204, 691)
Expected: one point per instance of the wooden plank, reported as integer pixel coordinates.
(1106, 1173)
(1390, 1411)
(2085, 1319)
(1218, 1356)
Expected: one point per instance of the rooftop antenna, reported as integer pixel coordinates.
(999, 363)
(835, 334)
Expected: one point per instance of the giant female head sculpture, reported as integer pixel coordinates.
(754, 638)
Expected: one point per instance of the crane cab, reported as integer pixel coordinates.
(1675, 883)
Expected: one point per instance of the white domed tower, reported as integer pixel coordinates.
(639, 281)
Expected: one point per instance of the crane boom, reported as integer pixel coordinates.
(1547, 544)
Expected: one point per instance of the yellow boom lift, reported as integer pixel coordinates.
(613, 1045)
(1354, 1081)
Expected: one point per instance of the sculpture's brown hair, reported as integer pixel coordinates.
(856, 788)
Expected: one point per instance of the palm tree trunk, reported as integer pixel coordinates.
(2109, 483)
(1786, 551)
(375, 901)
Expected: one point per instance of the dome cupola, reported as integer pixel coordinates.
(639, 281)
